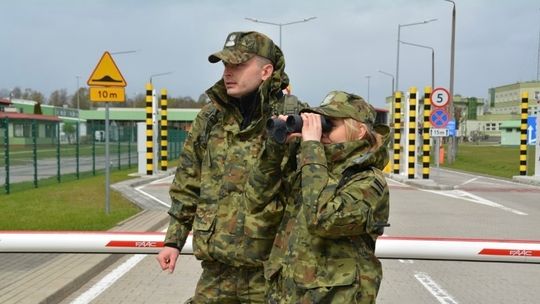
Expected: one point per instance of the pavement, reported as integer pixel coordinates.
(49, 278)
(54, 277)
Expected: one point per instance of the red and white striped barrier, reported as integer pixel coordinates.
(458, 249)
(461, 249)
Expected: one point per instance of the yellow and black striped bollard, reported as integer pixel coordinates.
(412, 132)
(426, 147)
(523, 135)
(164, 132)
(397, 131)
(149, 131)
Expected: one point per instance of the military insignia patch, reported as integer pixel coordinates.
(327, 99)
(231, 40)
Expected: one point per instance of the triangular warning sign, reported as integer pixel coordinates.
(106, 73)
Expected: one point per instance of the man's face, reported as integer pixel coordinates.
(244, 78)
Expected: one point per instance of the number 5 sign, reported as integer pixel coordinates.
(440, 97)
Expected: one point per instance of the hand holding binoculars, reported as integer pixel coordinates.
(279, 129)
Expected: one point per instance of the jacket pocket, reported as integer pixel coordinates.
(335, 272)
(264, 223)
(203, 228)
(260, 231)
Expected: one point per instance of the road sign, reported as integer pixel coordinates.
(451, 128)
(107, 94)
(433, 132)
(440, 97)
(531, 130)
(439, 117)
(106, 73)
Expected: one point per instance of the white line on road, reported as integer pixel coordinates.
(495, 180)
(435, 289)
(152, 197)
(108, 280)
(469, 181)
(475, 199)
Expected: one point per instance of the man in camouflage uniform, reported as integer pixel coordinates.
(338, 206)
(231, 238)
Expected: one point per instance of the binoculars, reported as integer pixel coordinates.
(278, 129)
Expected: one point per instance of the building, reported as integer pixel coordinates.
(504, 111)
(91, 123)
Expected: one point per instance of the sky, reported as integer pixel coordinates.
(48, 45)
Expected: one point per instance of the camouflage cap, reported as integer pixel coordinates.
(339, 104)
(242, 46)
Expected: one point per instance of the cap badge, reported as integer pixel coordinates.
(230, 40)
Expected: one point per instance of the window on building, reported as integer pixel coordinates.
(50, 130)
(22, 130)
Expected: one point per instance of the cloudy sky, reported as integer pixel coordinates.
(46, 44)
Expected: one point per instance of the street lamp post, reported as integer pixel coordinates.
(399, 39)
(390, 75)
(432, 60)
(368, 77)
(159, 74)
(78, 130)
(280, 24)
(538, 60)
(78, 98)
(452, 143)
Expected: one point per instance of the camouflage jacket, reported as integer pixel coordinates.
(206, 193)
(330, 225)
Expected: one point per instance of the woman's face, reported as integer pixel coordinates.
(338, 133)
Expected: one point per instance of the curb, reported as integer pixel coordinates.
(427, 184)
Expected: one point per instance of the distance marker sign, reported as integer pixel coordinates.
(440, 97)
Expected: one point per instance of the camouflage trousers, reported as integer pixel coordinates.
(286, 291)
(224, 284)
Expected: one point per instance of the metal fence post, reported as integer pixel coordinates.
(6, 152)
(58, 176)
(34, 151)
(77, 155)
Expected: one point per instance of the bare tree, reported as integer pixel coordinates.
(58, 98)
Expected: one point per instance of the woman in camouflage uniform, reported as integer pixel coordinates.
(338, 206)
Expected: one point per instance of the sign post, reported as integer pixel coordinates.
(107, 85)
(439, 118)
(537, 152)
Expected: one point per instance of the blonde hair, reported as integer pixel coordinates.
(352, 130)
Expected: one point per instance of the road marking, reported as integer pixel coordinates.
(475, 199)
(469, 181)
(152, 197)
(495, 180)
(108, 280)
(406, 261)
(435, 289)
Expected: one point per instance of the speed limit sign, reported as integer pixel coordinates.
(440, 97)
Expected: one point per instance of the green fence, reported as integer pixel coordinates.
(38, 152)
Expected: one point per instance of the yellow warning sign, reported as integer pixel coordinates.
(106, 73)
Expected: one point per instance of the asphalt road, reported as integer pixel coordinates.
(477, 207)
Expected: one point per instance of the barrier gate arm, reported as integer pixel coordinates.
(388, 247)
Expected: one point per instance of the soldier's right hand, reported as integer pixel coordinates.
(167, 258)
